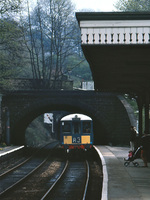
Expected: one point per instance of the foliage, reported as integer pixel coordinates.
(7, 6)
(83, 72)
(36, 133)
(11, 50)
(78, 70)
(52, 37)
(2, 145)
(11, 42)
(45, 44)
(133, 5)
(132, 101)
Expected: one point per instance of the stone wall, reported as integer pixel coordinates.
(32, 84)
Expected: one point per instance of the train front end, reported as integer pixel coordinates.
(76, 132)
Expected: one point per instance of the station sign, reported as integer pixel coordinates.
(48, 118)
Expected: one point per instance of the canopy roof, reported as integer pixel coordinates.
(117, 47)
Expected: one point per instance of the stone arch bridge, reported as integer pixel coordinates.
(111, 117)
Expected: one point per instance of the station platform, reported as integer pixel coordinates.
(120, 182)
(9, 149)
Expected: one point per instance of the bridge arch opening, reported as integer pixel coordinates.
(60, 109)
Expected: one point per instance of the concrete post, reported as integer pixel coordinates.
(147, 113)
(140, 107)
(140, 121)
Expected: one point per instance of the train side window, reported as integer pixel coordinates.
(66, 127)
(87, 127)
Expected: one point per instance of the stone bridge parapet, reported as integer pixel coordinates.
(24, 84)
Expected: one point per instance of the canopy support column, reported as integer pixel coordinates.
(140, 107)
(147, 113)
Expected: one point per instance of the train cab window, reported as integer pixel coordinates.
(76, 127)
(86, 127)
(66, 127)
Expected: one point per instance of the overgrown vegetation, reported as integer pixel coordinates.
(38, 133)
(42, 43)
(132, 101)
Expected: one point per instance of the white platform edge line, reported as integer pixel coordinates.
(105, 176)
(2, 154)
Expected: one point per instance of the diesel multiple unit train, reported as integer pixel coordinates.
(76, 132)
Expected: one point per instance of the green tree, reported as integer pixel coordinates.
(37, 133)
(54, 40)
(7, 6)
(11, 41)
(49, 32)
(133, 5)
(47, 43)
(12, 50)
(78, 70)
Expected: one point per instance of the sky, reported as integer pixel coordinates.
(96, 5)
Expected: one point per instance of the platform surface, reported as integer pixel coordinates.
(9, 149)
(120, 182)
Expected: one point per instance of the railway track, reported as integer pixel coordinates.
(14, 176)
(58, 179)
(10, 161)
(71, 184)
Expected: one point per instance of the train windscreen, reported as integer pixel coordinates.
(87, 127)
(66, 127)
(76, 127)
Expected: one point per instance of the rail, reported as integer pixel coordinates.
(87, 180)
(60, 176)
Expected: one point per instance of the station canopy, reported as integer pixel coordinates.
(117, 47)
